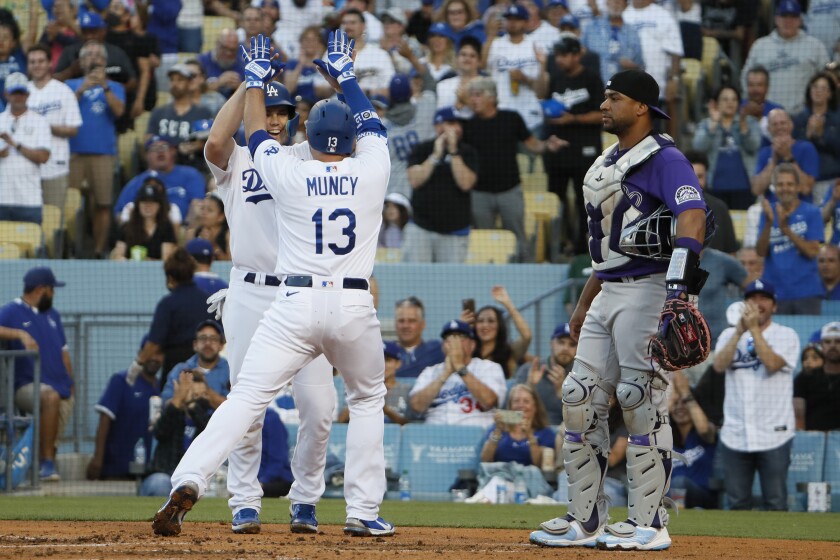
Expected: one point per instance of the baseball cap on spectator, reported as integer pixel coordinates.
(182, 69)
(456, 326)
(399, 199)
(830, 330)
(199, 248)
(788, 8)
(40, 276)
(156, 140)
(211, 323)
(399, 90)
(640, 86)
(200, 129)
(561, 330)
(555, 3)
(394, 14)
(569, 21)
(567, 45)
(379, 101)
(91, 20)
(151, 190)
(442, 30)
(391, 349)
(16, 83)
(447, 114)
(760, 287)
(515, 11)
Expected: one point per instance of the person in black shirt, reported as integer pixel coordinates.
(581, 91)
(148, 234)
(496, 135)
(724, 238)
(175, 318)
(816, 392)
(441, 173)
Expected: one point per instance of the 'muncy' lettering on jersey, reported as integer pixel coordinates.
(325, 186)
(252, 183)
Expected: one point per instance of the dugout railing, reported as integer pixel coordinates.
(17, 455)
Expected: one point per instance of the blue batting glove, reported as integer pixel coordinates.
(258, 70)
(339, 63)
(276, 65)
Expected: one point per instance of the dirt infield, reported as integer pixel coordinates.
(59, 540)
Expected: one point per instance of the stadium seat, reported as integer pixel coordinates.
(831, 308)
(831, 474)
(52, 228)
(9, 251)
(27, 236)
(807, 459)
(141, 123)
(433, 455)
(534, 182)
(540, 209)
(528, 164)
(72, 219)
(608, 139)
(211, 29)
(385, 255)
(491, 246)
(695, 86)
(393, 437)
(804, 325)
(126, 152)
(739, 223)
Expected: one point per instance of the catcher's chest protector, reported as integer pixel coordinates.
(602, 190)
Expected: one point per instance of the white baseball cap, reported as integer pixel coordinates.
(16, 83)
(830, 330)
(399, 199)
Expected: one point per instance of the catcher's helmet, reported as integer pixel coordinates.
(330, 127)
(277, 94)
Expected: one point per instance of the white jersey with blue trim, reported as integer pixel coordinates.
(249, 209)
(328, 214)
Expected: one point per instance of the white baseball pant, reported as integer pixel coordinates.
(245, 305)
(301, 324)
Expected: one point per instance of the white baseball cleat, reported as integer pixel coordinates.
(562, 532)
(626, 536)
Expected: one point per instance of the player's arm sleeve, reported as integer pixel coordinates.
(367, 121)
(677, 186)
(109, 402)
(223, 177)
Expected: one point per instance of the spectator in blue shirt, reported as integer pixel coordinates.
(785, 149)
(617, 44)
(828, 264)
(175, 318)
(185, 186)
(275, 474)
(202, 251)
(123, 419)
(93, 149)
(222, 65)
(416, 354)
(462, 21)
(207, 344)
(791, 232)
(695, 441)
(756, 103)
(30, 322)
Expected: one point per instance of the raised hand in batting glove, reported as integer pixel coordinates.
(217, 302)
(276, 65)
(339, 63)
(258, 70)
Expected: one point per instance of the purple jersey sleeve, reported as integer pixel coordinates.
(675, 183)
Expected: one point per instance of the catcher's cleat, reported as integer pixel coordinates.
(303, 518)
(565, 532)
(246, 521)
(363, 528)
(168, 519)
(626, 536)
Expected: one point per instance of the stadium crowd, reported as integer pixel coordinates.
(489, 106)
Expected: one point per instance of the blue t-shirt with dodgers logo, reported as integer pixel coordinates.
(835, 223)
(98, 133)
(793, 274)
(183, 185)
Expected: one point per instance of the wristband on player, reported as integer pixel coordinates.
(685, 278)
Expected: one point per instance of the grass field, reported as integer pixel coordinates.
(753, 524)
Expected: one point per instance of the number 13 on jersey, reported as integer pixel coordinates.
(348, 230)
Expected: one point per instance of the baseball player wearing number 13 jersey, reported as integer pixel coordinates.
(249, 210)
(328, 213)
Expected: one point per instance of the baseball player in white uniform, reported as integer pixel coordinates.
(249, 210)
(328, 213)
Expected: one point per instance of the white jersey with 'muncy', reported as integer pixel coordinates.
(249, 209)
(328, 224)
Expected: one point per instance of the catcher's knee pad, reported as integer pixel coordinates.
(585, 405)
(634, 395)
(586, 468)
(648, 479)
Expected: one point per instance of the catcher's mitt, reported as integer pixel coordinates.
(683, 339)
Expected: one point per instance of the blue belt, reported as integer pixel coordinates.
(306, 282)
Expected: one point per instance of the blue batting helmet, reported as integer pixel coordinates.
(276, 94)
(330, 127)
